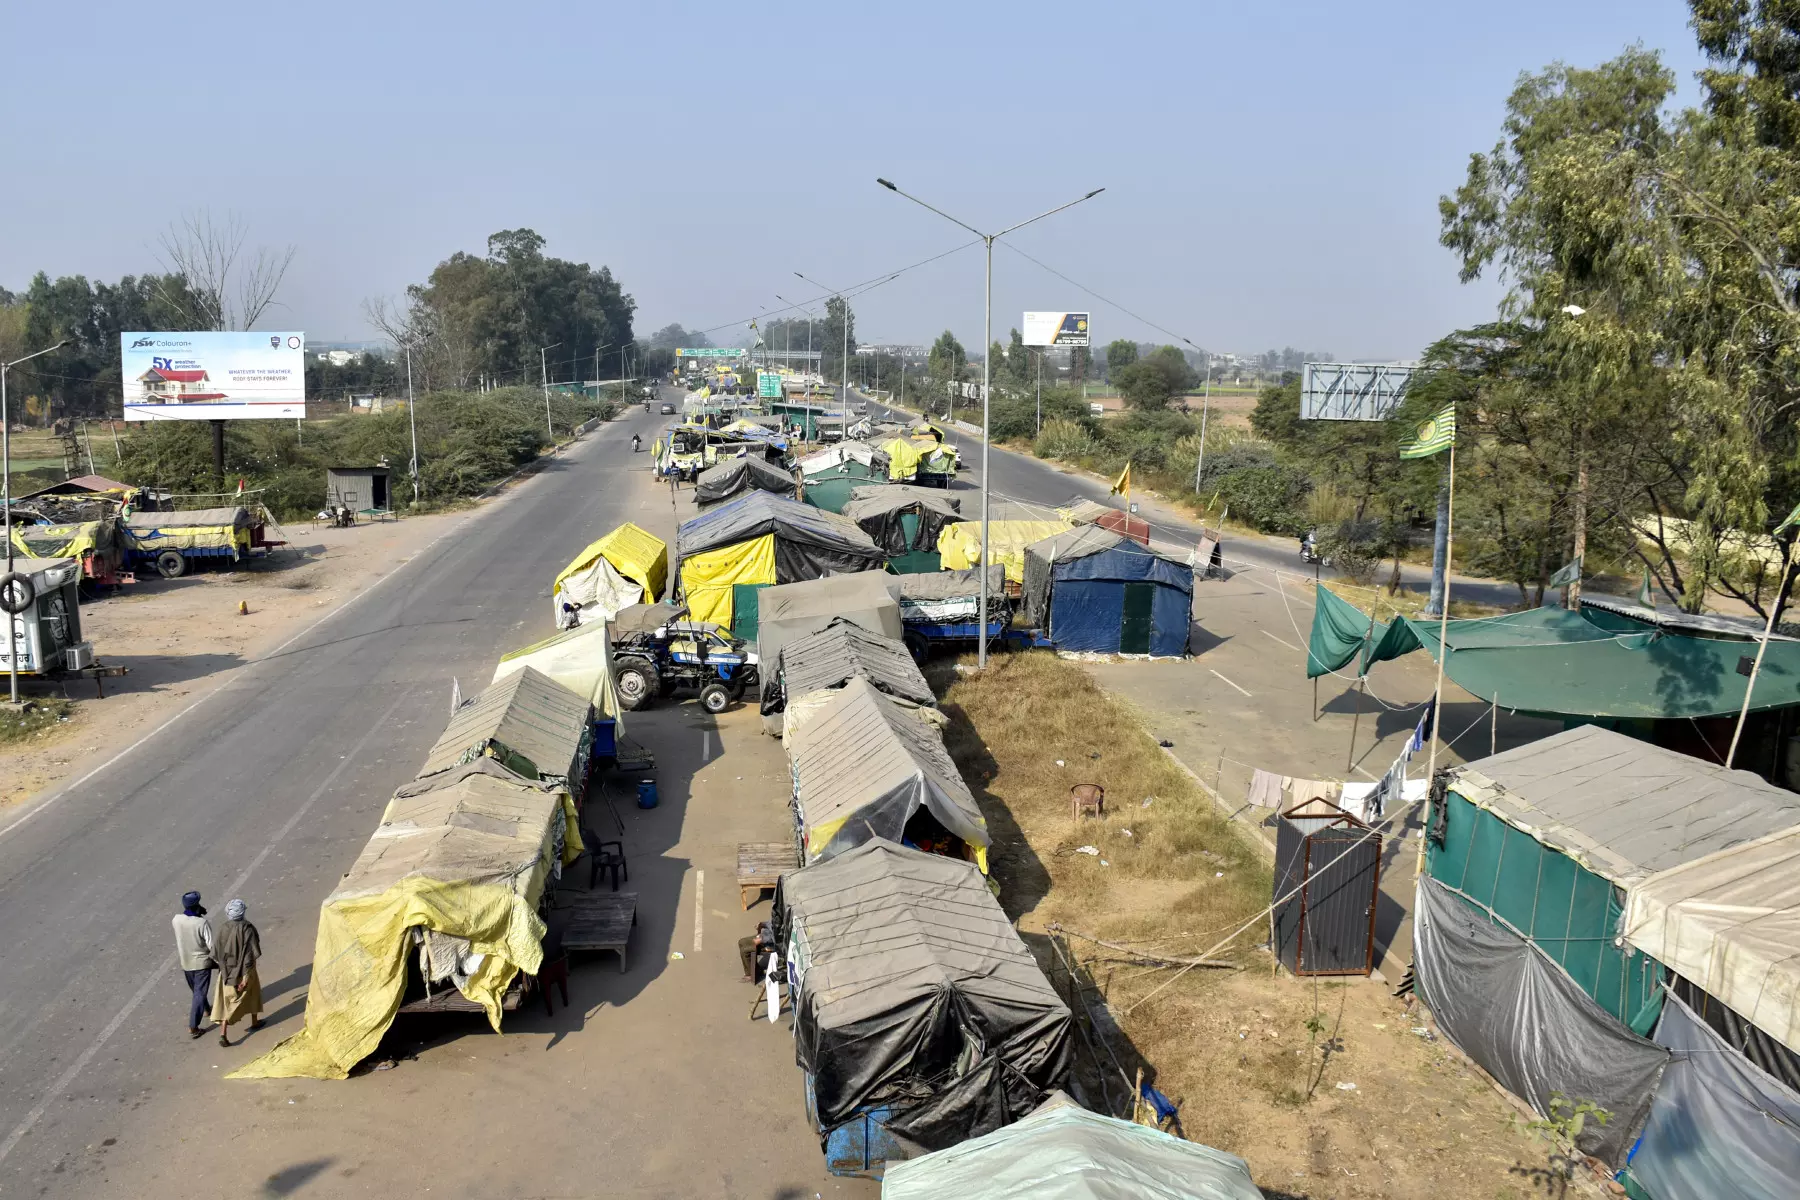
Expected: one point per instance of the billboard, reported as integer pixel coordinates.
(1055, 329)
(1353, 391)
(205, 376)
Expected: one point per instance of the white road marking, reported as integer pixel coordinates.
(1227, 681)
(1283, 641)
(161, 974)
(699, 908)
(705, 745)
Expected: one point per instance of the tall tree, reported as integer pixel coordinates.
(1119, 355)
(837, 328)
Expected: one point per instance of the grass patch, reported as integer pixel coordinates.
(39, 717)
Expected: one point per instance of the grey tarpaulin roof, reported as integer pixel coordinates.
(1624, 808)
(904, 959)
(644, 618)
(869, 499)
(843, 651)
(1061, 1151)
(732, 476)
(791, 610)
(527, 713)
(759, 513)
(181, 520)
(952, 585)
(878, 511)
(864, 764)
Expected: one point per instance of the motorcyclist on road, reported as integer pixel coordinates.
(637, 442)
(1309, 546)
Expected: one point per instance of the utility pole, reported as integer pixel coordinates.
(544, 376)
(1040, 390)
(1205, 411)
(412, 420)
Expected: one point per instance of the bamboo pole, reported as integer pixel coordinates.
(1437, 699)
(1756, 668)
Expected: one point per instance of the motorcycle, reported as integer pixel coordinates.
(637, 443)
(1309, 550)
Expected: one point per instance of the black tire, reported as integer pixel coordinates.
(17, 593)
(637, 684)
(171, 564)
(918, 646)
(715, 698)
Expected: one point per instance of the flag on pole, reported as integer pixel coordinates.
(1568, 576)
(1123, 482)
(1793, 520)
(1644, 596)
(1434, 436)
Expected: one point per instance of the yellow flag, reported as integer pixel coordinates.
(1123, 482)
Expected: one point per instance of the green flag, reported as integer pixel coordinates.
(1644, 596)
(1568, 576)
(1793, 519)
(1433, 436)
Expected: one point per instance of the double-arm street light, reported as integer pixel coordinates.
(12, 636)
(987, 367)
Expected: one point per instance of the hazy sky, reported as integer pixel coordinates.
(1272, 171)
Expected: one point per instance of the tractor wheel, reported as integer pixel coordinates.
(170, 564)
(918, 646)
(637, 684)
(714, 698)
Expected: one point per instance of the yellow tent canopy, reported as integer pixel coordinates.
(463, 855)
(597, 578)
(707, 578)
(903, 457)
(959, 545)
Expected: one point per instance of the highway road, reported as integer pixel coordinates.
(267, 788)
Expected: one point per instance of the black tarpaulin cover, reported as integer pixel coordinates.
(809, 542)
(735, 476)
(912, 989)
(1518, 1014)
(877, 511)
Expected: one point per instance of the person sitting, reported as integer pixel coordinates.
(753, 952)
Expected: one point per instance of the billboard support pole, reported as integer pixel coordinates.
(219, 452)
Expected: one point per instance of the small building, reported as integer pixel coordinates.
(359, 489)
(1327, 872)
(1095, 589)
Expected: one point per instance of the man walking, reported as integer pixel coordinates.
(194, 946)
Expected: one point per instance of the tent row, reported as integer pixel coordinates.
(443, 909)
(1613, 922)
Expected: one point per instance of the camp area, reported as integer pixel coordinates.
(920, 1018)
(1094, 589)
(726, 554)
(831, 474)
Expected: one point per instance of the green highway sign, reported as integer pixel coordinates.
(768, 385)
(710, 352)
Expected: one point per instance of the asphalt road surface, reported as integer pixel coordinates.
(266, 788)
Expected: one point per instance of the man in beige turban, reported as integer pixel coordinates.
(237, 992)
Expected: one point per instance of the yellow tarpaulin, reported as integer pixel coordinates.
(56, 541)
(903, 457)
(634, 552)
(959, 545)
(707, 579)
(464, 854)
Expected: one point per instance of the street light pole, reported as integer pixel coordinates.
(987, 342)
(12, 627)
(412, 420)
(544, 378)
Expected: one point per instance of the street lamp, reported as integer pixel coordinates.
(412, 420)
(987, 367)
(844, 320)
(12, 634)
(809, 321)
(544, 378)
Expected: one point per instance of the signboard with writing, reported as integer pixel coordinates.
(207, 376)
(1055, 329)
(768, 385)
(710, 352)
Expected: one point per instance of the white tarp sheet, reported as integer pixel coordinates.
(600, 591)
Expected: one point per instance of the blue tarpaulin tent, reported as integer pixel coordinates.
(1093, 589)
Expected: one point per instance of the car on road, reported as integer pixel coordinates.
(668, 410)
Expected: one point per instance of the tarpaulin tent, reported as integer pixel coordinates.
(960, 544)
(731, 477)
(579, 659)
(223, 530)
(904, 456)
(536, 727)
(1092, 512)
(865, 765)
(1501, 1000)
(1341, 632)
(834, 472)
(1553, 837)
(905, 521)
(463, 857)
(1719, 1127)
(913, 994)
(792, 610)
(1061, 1151)
(603, 574)
(952, 597)
(1093, 589)
(1730, 924)
(98, 544)
(761, 539)
(840, 652)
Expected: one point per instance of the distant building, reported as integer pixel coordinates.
(340, 358)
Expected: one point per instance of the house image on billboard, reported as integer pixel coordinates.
(165, 385)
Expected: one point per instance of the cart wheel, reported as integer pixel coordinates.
(171, 565)
(917, 646)
(714, 698)
(637, 685)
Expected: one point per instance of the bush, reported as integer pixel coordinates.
(1066, 440)
(1259, 489)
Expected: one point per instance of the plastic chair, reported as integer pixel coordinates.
(605, 856)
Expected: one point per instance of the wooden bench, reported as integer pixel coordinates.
(601, 921)
(760, 865)
(448, 999)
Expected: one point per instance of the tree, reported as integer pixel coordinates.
(838, 327)
(82, 379)
(224, 287)
(1151, 382)
(1119, 355)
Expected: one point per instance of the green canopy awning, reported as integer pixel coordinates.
(1341, 631)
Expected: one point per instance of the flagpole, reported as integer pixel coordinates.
(1756, 667)
(1437, 701)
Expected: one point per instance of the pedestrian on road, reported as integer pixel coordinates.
(236, 947)
(194, 946)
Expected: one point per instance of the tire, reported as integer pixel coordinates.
(917, 646)
(714, 698)
(637, 684)
(170, 564)
(17, 593)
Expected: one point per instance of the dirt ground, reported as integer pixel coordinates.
(182, 637)
(1327, 1088)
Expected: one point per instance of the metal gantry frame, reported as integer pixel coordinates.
(1353, 391)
